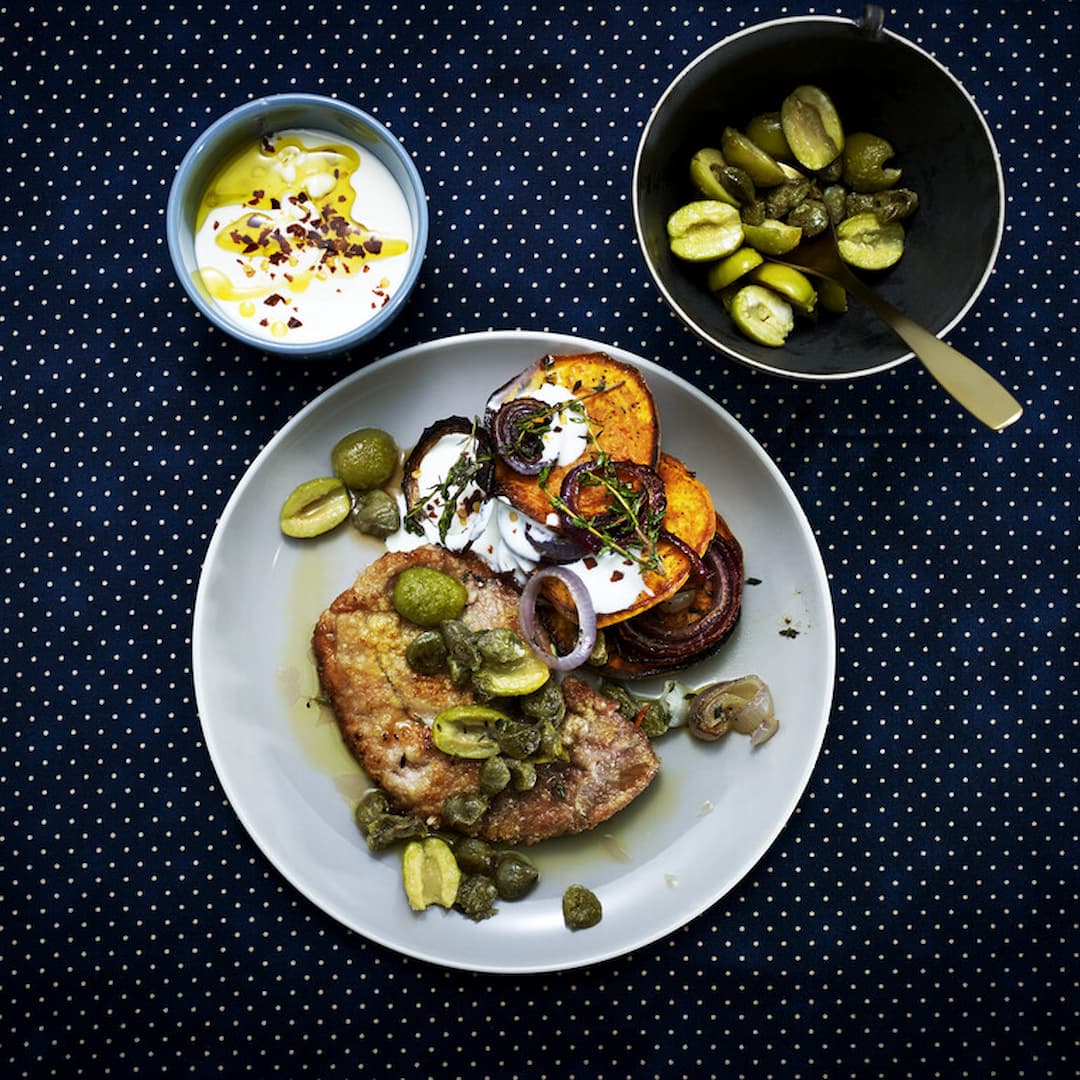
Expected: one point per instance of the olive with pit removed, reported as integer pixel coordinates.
(315, 507)
(864, 160)
(812, 127)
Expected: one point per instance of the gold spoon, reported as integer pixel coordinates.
(977, 391)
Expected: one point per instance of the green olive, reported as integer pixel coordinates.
(724, 272)
(864, 159)
(773, 237)
(766, 131)
(365, 458)
(706, 174)
(427, 596)
(762, 315)
(515, 877)
(831, 296)
(793, 285)
(467, 731)
(704, 230)
(868, 243)
(511, 680)
(426, 654)
(315, 507)
(745, 154)
(581, 907)
(812, 127)
(375, 513)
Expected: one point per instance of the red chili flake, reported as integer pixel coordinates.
(275, 203)
(274, 299)
(617, 575)
(373, 245)
(590, 562)
(294, 322)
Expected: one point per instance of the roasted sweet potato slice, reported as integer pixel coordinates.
(623, 420)
(690, 516)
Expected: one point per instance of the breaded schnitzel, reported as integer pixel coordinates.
(384, 710)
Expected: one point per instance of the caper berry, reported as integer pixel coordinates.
(581, 907)
(494, 775)
(375, 513)
(515, 877)
(463, 810)
(547, 703)
(476, 897)
(475, 856)
(500, 645)
(522, 774)
(365, 459)
(426, 653)
(427, 596)
(372, 804)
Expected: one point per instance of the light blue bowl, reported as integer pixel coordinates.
(241, 127)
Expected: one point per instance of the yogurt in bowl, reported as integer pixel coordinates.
(297, 224)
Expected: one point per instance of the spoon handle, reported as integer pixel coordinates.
(976, 390)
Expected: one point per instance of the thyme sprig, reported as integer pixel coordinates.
(451, 489)
(628, 514)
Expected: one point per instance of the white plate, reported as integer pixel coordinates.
(702, 825)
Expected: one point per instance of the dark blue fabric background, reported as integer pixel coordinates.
(918, 915)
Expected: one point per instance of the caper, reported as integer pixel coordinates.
(551, 746)
(427, 596)
(834, 196)
(783, 198)
(621, 696)
(744, 153)
(894, 205)
(476, 897)
(863, 163)
(463, 810)
(547, 703)
(461, 646)
(426, 654)
(518, 739)
(706, 174)
(581, 907)
(767, 131)
(500, 645)
(475, 856)
(522, 774)
(384, 830)
(654, 718)
(494, 775)
(375, 513)
(812, 127)
(811, 216)
(515, 877)
(365, 458)
(832, 173)
(372, 804)
(738, 184)
(315, 507)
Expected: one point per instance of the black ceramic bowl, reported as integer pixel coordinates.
(880, 83)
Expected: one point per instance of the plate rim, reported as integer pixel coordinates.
(548, 341)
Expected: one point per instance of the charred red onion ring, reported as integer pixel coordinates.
(612, 522)
(521, 449)
(586, 618)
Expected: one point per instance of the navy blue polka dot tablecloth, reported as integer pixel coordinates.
(917, 916)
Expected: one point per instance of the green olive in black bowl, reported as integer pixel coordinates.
(880, 83)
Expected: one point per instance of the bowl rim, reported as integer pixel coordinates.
(716, 343)
(209, 136)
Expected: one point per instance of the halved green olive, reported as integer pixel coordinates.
(812, 127)
(772, 237)
(743, 153)
(468, 731)
(868, 243)
(864, 159)
(762, 315)
(790, 283)
(831, 296)
(704, 230)
(315, 507)
(706, 171)
(766, 131)
(723, 273)
(512, 680)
